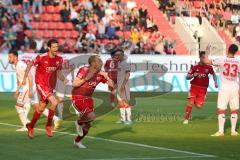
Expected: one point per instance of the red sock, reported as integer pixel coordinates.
(188, 112)
(85, 132)
(50, 117)
(35, 118)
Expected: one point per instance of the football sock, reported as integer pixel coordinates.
(27, 107)
(234, 118)
(35, 118)
(123, 114)
(60, 110)
(128, 112)
(221, 122)
(86, 128)
(188, 112)
(50, 117)
(22, 115)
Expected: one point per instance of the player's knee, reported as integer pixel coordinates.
(221, 111)
(19, 108)
(190, 104)
(234, 111)
(199, 106)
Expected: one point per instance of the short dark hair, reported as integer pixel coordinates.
(233, 48)
(116, 50)
(92, 59)
(14, 52)
(52, 41)
(201, 53)
(33, 44)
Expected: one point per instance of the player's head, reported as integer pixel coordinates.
(53, 46)
(33, 45)
(95, 62)
(118, 54)
(202, 56)
(12, 56)
(233, 49)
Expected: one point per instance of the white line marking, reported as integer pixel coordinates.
(124, 142)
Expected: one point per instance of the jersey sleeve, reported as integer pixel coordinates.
(81, 73)
(22, 67)
(36, 61)
(106, 66)
(103, 79)
(218, 61)
(192, 70)
(60, 63)
(211, 71)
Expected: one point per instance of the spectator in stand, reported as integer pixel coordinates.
(227, 17)
(37, 4)
(101, 30)
(26, 19)
(92, 27)
(65, 10)
(90, 36)
(111, 31)
(133, 21)
(171, 11)
(134, 35)
(143, 16)
(101, 12)
(11, 38)
(151, 26)
(26, 5)
(87, 4)
(131, 4)
(237, 33)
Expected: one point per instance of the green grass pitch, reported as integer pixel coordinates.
(157, 133)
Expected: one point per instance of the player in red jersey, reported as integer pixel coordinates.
(84, 85)
(111, 67)
(198, 75)
(48, 68)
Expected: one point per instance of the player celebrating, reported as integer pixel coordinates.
(48, 68)
(198, 75)
(84, 85)
(229, 89)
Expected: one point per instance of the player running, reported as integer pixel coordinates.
(84, 85)
(48, 68)
(28, 94)
(198, 75)
(229, 89)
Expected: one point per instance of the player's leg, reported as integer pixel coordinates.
(128, 107)
(27, 107)
(22, 99)
(234, 106)
(199, 101)
(51, 113)
(223, 99)
(112, 97)
(56, 120)
(189, 106)
(60, 106)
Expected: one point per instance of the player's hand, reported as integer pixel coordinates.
(30, 94)
(65, 81)
(24, 81)
(195, 74)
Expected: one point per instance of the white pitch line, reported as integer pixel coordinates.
(124, 142)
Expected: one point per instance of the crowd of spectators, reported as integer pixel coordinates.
(222, 14)
(102, 25)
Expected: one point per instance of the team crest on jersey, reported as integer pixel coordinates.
(206, 70)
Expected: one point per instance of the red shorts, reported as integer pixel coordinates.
(44, 92)
(197, 95)
(83, 105)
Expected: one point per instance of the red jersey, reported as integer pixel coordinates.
(87, 88)
(202, 80)
(111, 67)
(46, 69)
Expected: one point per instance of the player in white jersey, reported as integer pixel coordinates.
(123, 89)
(228, 93)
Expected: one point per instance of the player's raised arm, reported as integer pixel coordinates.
(61, 76)
(192, 73)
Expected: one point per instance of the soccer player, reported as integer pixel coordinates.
(198, 75)
(84, 85)
(28, 95)
(48, 68)
(111, 67)
(229, 89)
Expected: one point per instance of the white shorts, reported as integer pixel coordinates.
(228, 96)
(24, 98)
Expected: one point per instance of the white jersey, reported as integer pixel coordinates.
(20, 71)
(229, 70)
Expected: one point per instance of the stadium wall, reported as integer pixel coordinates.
(153, 73)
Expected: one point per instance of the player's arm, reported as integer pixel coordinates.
(215, 80)
(30, 84)
(29, 66)
(80, 79)
(127, 76)
(61, 76)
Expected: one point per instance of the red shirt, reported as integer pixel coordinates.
(87, 88)
(46, 69)
(202, 80)
(111, 67)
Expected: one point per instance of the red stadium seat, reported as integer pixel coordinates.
(60, 25)
(69, 26)
(71, 42)
(74, 34)
(56, 34)
(65, 34)
(46, 17)
(43, 25)
(56, 17)
(51, 25)
(47, 34)
(28, 33)
(50, 9)
(57, 9)
(38, 33)
(61, 41)
(34, 25)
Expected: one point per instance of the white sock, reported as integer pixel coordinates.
(221, 122)
(234, 118)
(22, 115)
(45, 113)
(60, 110)
(129, 114)
(27, 107)
(123, 114)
